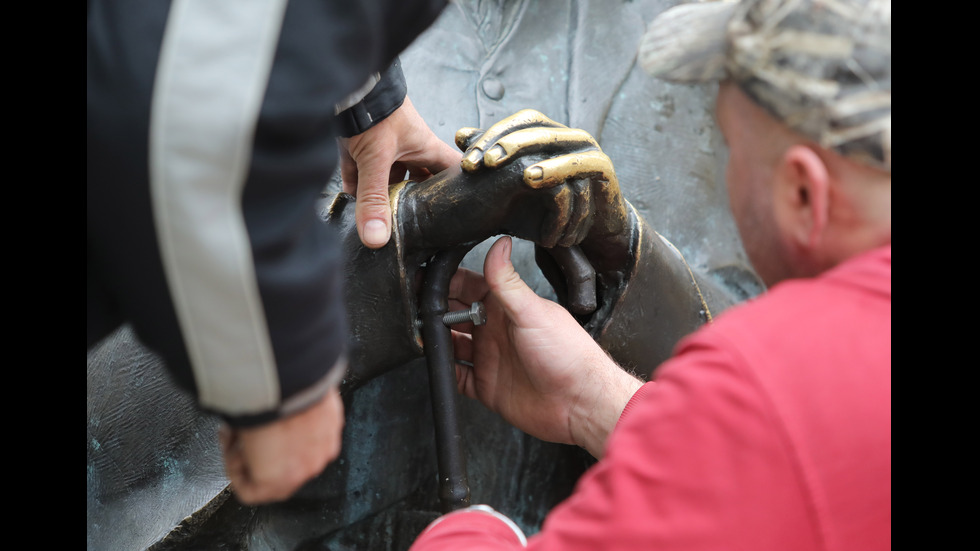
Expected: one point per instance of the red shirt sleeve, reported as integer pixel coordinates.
(477, 528)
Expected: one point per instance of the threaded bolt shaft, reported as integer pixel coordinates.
(477, 314)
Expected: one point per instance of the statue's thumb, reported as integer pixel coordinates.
(504, 281)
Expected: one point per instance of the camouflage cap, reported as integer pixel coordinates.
(822, 67)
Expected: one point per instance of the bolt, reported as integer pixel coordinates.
(476, 314)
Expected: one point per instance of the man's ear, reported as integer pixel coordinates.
(802, 195)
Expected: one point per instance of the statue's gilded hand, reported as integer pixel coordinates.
(556, 157)
(592, 214)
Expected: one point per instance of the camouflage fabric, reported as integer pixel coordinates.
(822, 67)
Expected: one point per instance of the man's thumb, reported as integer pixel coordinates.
(372, 209)
(504, 280)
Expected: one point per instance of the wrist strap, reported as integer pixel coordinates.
(387, 95)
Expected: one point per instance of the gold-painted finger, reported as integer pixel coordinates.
(473, 158)
(551, 172)
(531, 140)
(465, 137)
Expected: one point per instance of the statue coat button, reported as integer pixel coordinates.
(493, 88)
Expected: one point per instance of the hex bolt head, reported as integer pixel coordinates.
(477, 314)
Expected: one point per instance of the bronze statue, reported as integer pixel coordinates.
(638, 280)
(543, 182)
(533, 178)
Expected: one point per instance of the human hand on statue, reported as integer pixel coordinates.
(532, 363)
(380, 156)
(576, 201)
(270, 462)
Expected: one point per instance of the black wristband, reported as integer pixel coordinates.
(386, 96)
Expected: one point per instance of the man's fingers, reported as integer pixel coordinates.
(465, 380)
(443, 157)
(535, 140)
(463, 350)
(226, 437)
(467, 287)
(399, 172)
(473, 158)
(257, 492)
(463, 346)
(276, 459)
(235, 467)
(259, 476)
(348, 170)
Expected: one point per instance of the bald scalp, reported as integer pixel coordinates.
(769, 138)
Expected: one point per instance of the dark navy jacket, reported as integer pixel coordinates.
(211, 133)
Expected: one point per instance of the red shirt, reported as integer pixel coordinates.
(770, 429)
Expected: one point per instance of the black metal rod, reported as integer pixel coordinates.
(454, 490)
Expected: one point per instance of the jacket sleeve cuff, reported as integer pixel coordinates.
(634, 400)
(381, 95)
(296, 403)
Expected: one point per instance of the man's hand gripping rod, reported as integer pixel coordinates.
(454, 491)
